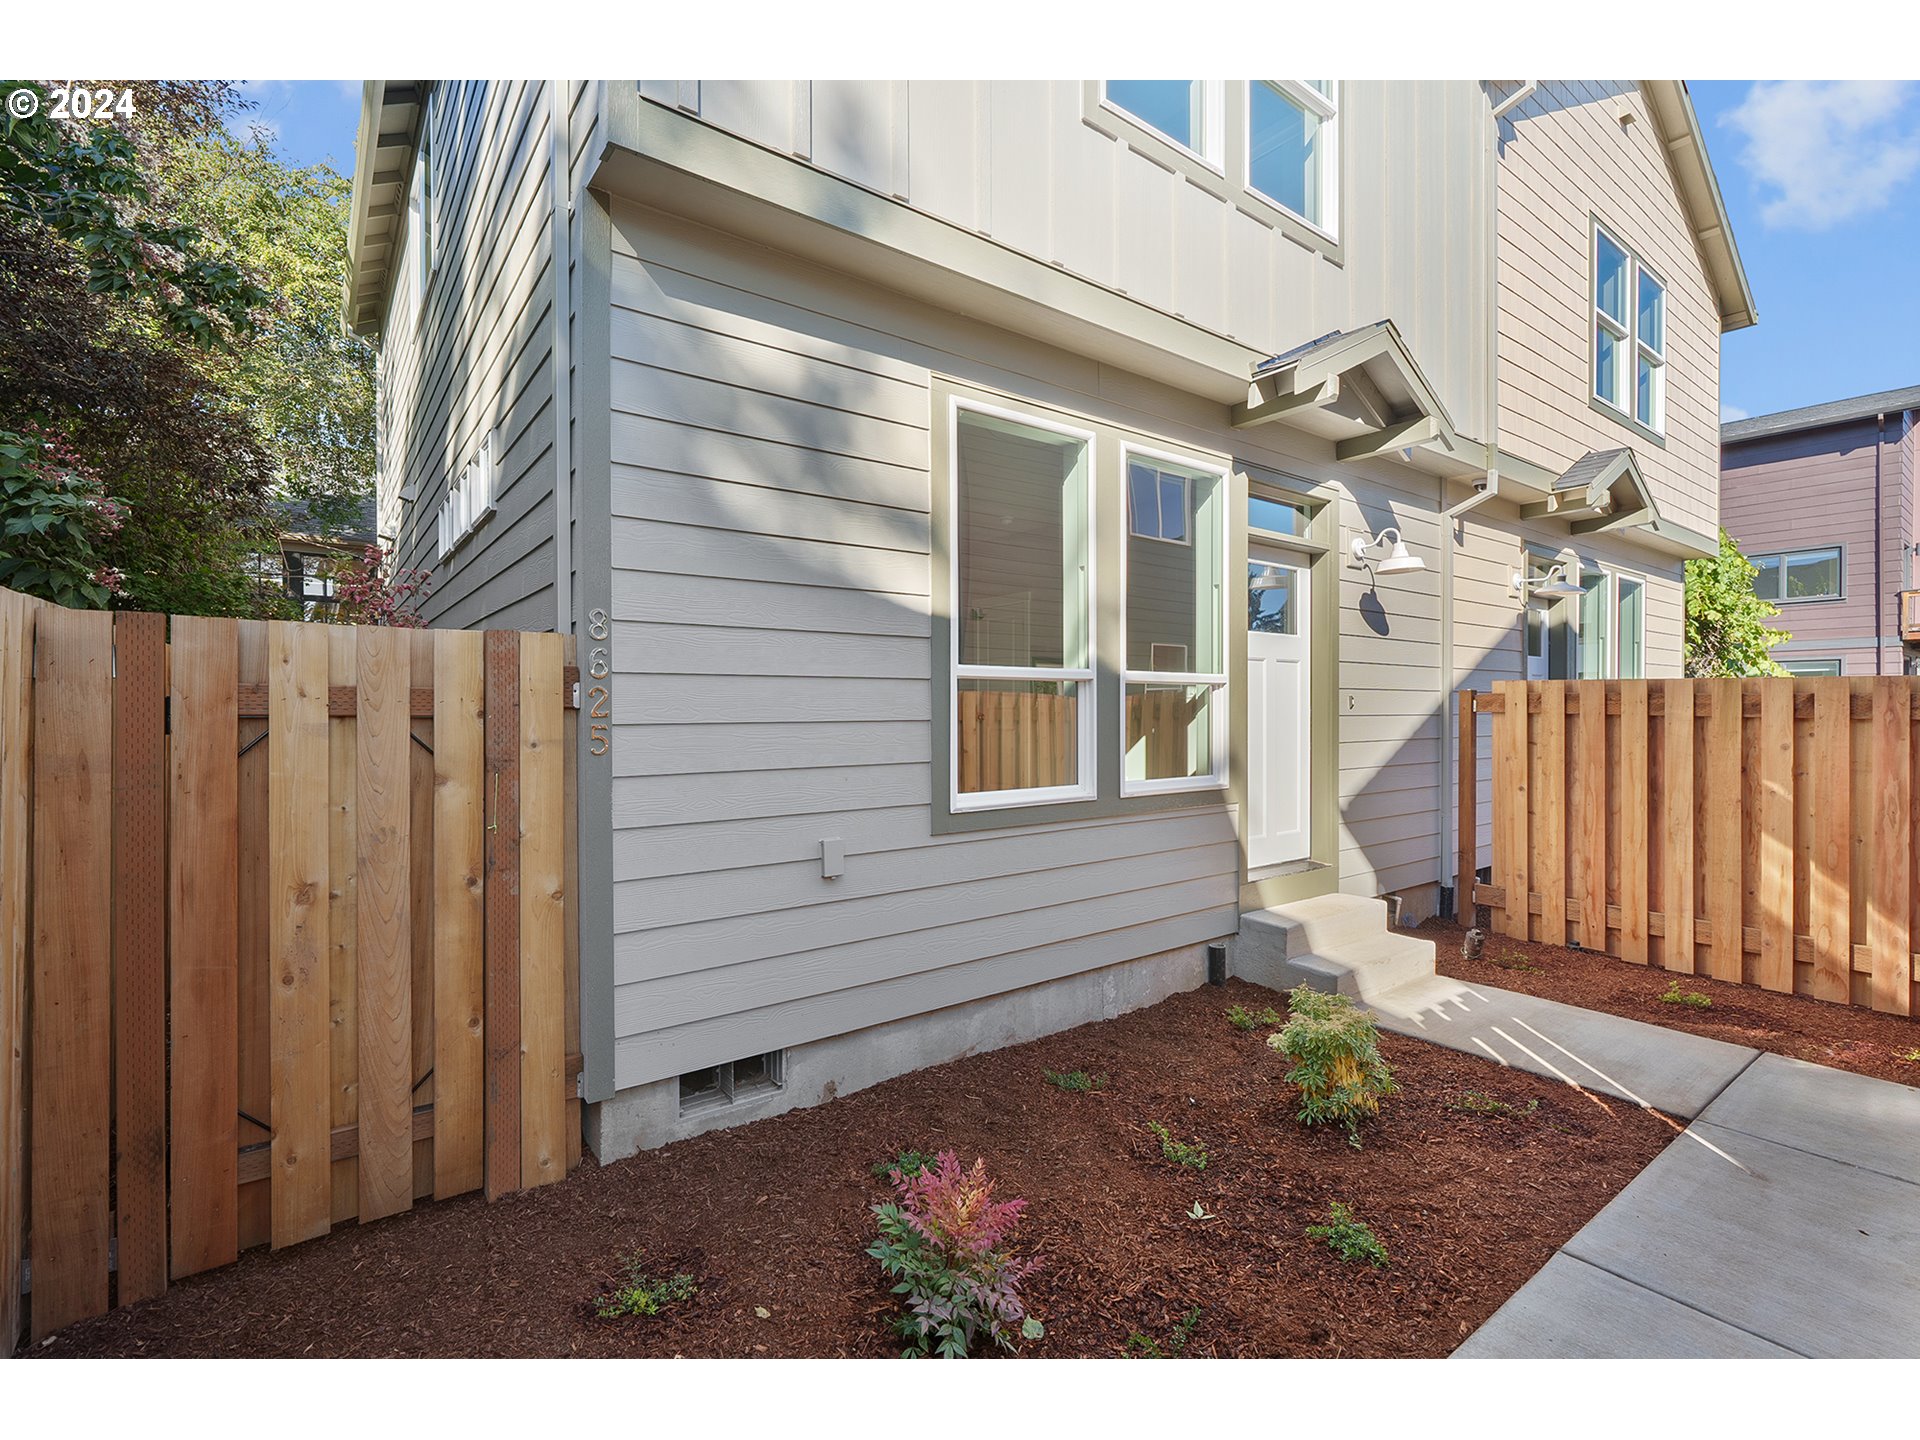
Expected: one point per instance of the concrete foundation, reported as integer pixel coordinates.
(648, 1116)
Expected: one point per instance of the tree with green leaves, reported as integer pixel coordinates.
(1727, 630)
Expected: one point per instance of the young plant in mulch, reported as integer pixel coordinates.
(944, 1241)
(1145, 1347)
(1691, 998)
(1909, 1057)
(1475, 1102)
(1242, 1018)
(640, 1295)
(1193, 1157)
(1075, 1082)
(1349, 1238)
(1514, 960)
(1337, 1065)
(903, 1162)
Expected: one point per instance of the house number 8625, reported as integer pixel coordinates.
(599, 697)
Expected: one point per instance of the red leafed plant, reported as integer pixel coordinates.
(945, 1244)
(367, 593)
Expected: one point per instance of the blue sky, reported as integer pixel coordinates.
(1822, 182)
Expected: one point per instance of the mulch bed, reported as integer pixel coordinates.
(1846, 1037)
(772, 1218)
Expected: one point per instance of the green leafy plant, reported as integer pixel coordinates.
(944, 1242)
(1076, 1081)
(904, 1162)
(1337, 1065)
(1727, 633)
(1349, 1238)
(1200, 1212)
(1675, 996)
(1474, 1102)
(53, 514)
(640, 1295)
(1145, 1347)
(1242, 1018)
(1194, 1157)
(1513, 961)
(1911, 1057)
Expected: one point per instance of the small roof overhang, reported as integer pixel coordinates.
(1363, 390)
(1685, 143)
(390, 112)
(1602, 490)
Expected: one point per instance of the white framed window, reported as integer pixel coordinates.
(1158, 502)
(1293, 148)
(1601, 634)
(1173, 620)
(1188, 113)
(1021, 502)
(469, 498)
(1794, 576)
(1812, 668)
(1629, 334)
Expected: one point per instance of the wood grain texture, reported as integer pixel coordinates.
(17, 622)
(1589, 817)
(383, 958)
(140, 954)
(203, 938)
(1677, 764)
(343, 860)
(1889, 935)
(420, 912)
(1511, 860)
(254, 877)
(1550, 812)
(543, 897)
(459, 897)
(1635, 808)
(1829, 899)
(72, 995)
(300, 971)
(1775, 822)
(1721, 832)
(503, 912)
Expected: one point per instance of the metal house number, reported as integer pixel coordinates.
(599, 697)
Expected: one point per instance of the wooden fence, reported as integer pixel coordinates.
(1015, 740)
(286, 937)
(1760, 831)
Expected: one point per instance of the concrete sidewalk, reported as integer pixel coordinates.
(1785, 1221)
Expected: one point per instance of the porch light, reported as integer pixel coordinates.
(1554, 585)
(1398, 561)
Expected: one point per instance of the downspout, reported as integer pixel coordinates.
(1879, 520)
(561, 208)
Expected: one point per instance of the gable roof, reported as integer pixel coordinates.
(1812, 417)
(1693, 177)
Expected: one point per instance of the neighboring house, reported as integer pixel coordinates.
(918, 445)
(1822, 500)
(311, 554)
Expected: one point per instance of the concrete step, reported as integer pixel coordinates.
(1337, 943)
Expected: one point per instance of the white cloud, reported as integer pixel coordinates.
(1825, 151)
(1730, 413)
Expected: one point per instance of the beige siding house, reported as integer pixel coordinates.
(960, 486)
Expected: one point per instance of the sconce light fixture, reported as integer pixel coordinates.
(1398, 561)
(1554, 585)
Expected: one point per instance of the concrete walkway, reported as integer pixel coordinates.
(1785, 1221)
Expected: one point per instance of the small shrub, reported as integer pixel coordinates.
(1194, 1157)
(1514, 960)
(1145, 1347)
(1349, 1238)
(1691, 998)
(643, 1296)
(1473, 1102)
(1242, 1018)
(1076, 1081)
(1335, 1049)
(944, 1243)
(907, 1162)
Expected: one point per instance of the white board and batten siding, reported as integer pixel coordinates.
(1566, 159)
(478, 360)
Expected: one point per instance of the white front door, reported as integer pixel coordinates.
(1279, 726)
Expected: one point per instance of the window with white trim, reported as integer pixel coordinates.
(1023, 693)
(1174, 626)
(1629, 334)
(1190, 113)
(1796, 575)
(1293, 154)
(1601, 634)
(1812, 668)
(469, 499)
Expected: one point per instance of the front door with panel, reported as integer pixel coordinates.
(1279, 726)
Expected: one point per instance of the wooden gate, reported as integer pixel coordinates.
(1758, 831)
(286, 935)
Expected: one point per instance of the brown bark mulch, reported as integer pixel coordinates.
(1846, 1037)
(772, 1218)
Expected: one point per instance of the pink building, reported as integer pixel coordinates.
(1822, 500)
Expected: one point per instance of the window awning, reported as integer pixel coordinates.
(1602, 490)
(1363, 390)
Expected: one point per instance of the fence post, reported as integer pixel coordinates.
(1469, 810)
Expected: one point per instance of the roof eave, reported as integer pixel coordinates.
(1692, 169)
